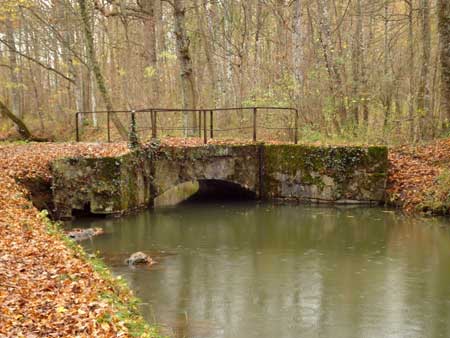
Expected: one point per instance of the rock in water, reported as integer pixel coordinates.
(83, 234)
(140, 258)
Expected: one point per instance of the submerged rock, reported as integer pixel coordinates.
(79, 234)
(140, 258)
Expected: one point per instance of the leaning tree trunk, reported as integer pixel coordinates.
(444, 34)
(189, 96)
(22, 129)
(96, 69)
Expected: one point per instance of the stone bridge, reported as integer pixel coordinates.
(165, 175)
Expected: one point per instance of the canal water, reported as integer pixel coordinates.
(252, 270)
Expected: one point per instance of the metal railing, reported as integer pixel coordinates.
(204, 122)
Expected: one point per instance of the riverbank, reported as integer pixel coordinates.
(419, 178)
(48, 285)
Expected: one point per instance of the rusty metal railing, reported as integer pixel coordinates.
(205, 122)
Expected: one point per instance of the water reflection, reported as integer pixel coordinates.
(256, 270)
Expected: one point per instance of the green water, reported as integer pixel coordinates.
(256, 270)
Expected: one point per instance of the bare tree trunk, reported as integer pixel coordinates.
(206, 41)
(69, 37)
(444, 35)
(93, 99)
(280, 53)
(15, 92)
(356, 62)
(96, 69)
(336, 85)
(228, 78)
(189, 96)
(387, 76)
(257, 42)
(22, 129)
(297, 52)
(411, 66)
(210, 10)
(366, 42)
(152, 71)
(423, 95)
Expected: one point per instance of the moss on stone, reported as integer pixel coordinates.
(289, 171)
(308, 166)
(378, 158)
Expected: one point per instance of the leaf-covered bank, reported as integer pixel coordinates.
(48, 285)
(419, 178)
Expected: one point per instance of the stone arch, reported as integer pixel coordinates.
(205, 189)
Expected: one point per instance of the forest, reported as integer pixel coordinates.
(258, 112)
(373, 71)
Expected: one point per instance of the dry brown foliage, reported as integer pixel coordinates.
(414, 171)
(46, 290)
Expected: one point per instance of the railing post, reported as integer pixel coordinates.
(296, 127)
(211, 124)
(108, 123)
(77, 128)
(133, 140)
(154, 118)
(205, 133)
(151, 121)
(254, 124)
(200, 123)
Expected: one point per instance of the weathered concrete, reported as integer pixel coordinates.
(141, 178)
(325, 174)
(236, 164)
(101, 185)
(177, 194)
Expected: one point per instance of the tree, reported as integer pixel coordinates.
(423, 95)
(372, 67)
(335, 78)
(21, 128)
(15, 92)
(188, 92)
(151, 69)
(297, 48)
(97, 71)
(444, 34)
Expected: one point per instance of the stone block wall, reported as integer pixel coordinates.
(105, 185)
(325, 174)
(320, 174)
(236, 164)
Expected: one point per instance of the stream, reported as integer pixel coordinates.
(255, 270)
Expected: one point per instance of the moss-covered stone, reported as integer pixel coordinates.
(325, 173)
(100, 185)
(118, 184)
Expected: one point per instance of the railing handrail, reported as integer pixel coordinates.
(147, 110)
(211, 111)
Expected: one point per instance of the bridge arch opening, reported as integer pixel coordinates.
(204, 191)
(220, 191)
